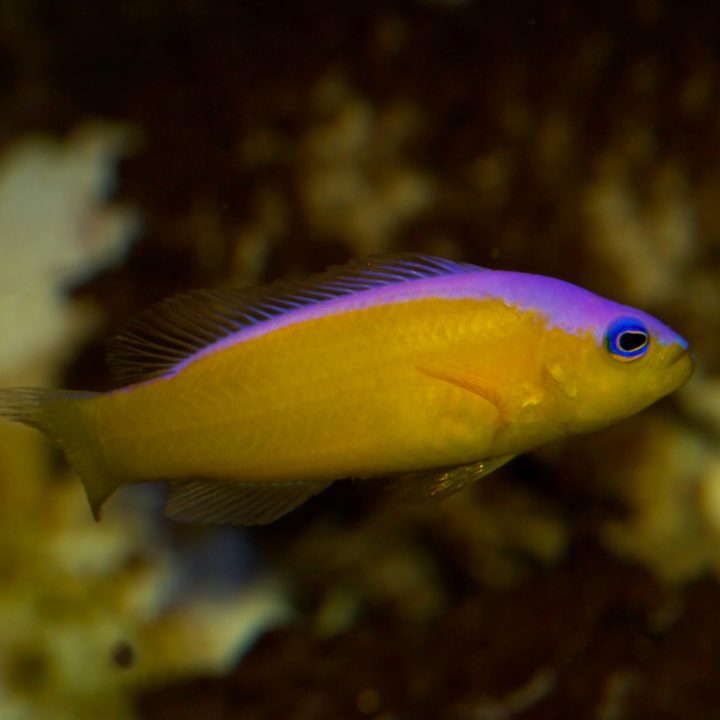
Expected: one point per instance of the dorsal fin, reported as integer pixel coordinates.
(168, 333)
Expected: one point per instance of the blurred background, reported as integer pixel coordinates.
(150, 147)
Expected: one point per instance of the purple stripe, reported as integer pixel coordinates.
(563, 305)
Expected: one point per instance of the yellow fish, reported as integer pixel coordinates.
(428, 371)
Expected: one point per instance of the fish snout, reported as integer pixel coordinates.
(681, 364)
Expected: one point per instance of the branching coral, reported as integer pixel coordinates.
(87, 611)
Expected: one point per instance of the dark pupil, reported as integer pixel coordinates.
(631, 340)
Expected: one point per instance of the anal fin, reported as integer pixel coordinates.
(430, 485)
(222, 502)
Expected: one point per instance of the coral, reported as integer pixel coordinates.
(657, 233)
(671, 486)
(358, 181)
(55, 231)
(355, 180)
(664, 482)
(88, 611)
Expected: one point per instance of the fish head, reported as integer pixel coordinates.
(621, 362)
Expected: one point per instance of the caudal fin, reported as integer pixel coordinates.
(62, 415)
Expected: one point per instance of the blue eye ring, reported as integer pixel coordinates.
(627, 339)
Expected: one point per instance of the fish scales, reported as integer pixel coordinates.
(334, 396)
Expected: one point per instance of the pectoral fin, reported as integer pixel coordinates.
(427, 486)
(483, 387)
(217, 502)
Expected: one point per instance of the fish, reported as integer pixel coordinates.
(426, 372)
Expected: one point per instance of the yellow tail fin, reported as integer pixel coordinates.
(62, 416)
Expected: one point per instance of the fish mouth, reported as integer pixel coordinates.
(677, 353)
(682, 364)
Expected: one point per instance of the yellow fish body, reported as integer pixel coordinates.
(426, 370)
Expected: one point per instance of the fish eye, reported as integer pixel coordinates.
(627, 339)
